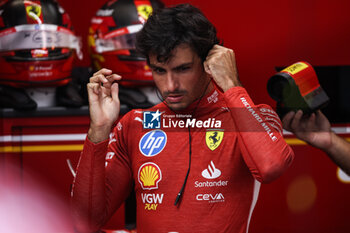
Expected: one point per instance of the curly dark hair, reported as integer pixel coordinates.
(169, 27)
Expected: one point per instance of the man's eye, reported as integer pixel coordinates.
(183, 68)
(159, 70)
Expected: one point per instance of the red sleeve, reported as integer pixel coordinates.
(264, 150)
(102, 183)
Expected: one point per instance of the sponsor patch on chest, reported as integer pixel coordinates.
(213, 138)
(152, 143)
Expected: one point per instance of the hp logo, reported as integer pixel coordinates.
(152, 143)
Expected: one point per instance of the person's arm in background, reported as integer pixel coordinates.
(315, 129)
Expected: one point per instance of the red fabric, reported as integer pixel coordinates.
(219, 190)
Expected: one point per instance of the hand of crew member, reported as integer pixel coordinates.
(104, 104)
(314, 129)
(220, 64)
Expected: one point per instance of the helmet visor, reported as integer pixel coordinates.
(125, 41)
(38, 36)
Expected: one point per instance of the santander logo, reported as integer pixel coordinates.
(211, 172)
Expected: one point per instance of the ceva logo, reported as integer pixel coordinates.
(211, 172)
(218, 197)
(152, 143)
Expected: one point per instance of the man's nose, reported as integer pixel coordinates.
(172, 82)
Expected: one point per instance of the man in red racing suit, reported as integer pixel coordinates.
(195, 161)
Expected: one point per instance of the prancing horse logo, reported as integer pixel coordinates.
(34, 11)
(213, 138)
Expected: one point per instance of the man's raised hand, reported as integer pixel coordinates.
(220, 64)
(104, 103)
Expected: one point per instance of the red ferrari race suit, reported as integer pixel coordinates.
(233, 145)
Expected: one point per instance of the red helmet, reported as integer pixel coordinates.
(112, 37)
(37, 44)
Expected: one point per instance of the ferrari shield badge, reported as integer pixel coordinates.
(213, 138)
(33, 11)
(144, 11)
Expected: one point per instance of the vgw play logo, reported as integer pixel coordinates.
(151, 120)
